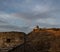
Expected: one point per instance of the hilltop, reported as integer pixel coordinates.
(38, 40)
(44, 40)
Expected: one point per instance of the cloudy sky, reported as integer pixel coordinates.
(23, 15)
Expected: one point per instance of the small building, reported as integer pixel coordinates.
(36, 29)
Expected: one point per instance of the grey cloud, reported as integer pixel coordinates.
(25, 11)
(32, 16)
(48, 25)
(12, 28)
(2, 21)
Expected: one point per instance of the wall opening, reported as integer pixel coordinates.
(8, 40)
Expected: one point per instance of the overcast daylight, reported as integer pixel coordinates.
(23, 15)
(29, 25)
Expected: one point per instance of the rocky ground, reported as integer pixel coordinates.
(36, 41)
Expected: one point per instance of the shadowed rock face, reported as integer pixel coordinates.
(41, 41)
(23, 48)
(19, 48)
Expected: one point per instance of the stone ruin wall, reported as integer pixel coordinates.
(11, 39)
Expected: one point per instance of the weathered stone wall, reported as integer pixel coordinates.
(10, 39)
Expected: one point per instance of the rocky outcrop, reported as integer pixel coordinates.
(38, 40)
(9, 40)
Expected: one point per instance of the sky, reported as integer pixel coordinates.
(24, 15)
